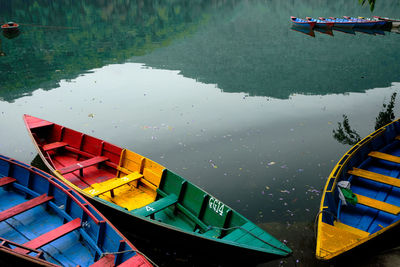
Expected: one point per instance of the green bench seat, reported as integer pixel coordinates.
(156, 206)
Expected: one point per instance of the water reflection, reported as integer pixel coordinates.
(240, 46)
(344, 134)
(352, 31)
(64, 39)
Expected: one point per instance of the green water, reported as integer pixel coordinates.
(224, 93)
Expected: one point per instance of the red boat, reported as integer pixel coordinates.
(10, 26)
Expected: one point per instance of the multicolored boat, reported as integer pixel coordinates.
(45, 223)
(148, 200)
(340, 23)
(302, 22)
(321, 23)
(360, 205)
(365, 23)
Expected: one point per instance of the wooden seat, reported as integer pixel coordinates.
(83, 164)
(11, 212)
(376, 204)
(384, 156)
(6, 180)
(157, 206)
(54, 145)
(373, 176)
(103, 188)
(50, 236)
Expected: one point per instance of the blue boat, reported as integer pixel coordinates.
(302, 22)
(43, 222)
(321, 23)
(363, 23)
(339, 22)
(360, 205)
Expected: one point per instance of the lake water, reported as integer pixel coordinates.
(223, 93)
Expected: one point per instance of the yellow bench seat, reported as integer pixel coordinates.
(384, 156)
(373, 176)
(101, 188)
(379, 205)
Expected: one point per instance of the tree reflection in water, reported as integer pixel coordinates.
(344, 134)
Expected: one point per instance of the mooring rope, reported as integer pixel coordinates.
(316, 218)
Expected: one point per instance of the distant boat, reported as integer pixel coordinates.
(45, 223)
(149, 200)
(10, 26)
(303, 22)
(340, 23)
(360, 205)
(364, 23)
(321, 23)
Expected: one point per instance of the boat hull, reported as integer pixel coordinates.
(302, 23)
(174, 244)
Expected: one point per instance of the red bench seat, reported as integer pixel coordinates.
(83, 164)
(50, 236)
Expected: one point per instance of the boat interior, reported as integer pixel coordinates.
(43, 220)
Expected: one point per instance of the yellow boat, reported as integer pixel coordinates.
(360, 205)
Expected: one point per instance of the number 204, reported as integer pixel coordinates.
(216, 205)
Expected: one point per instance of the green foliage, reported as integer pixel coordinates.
(370, 2)
(344, 134)
(347, 136)
(386, 115)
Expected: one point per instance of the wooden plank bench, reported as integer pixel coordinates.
(98, 190)
(157, 206)
(379, 205)
(11, 212)
(377, 177)
(384, 156)
(83, 164)
(50, 236)
(6, 180)
(54, 145)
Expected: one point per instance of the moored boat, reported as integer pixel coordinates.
(149, 200)
(340, 23)
(302, 22)
(10, 26)
(319, 23)
(363, 23)
(46, 223)
(360, 205)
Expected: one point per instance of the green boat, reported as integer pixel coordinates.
(150, 203)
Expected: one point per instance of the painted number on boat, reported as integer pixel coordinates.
(216, 205)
